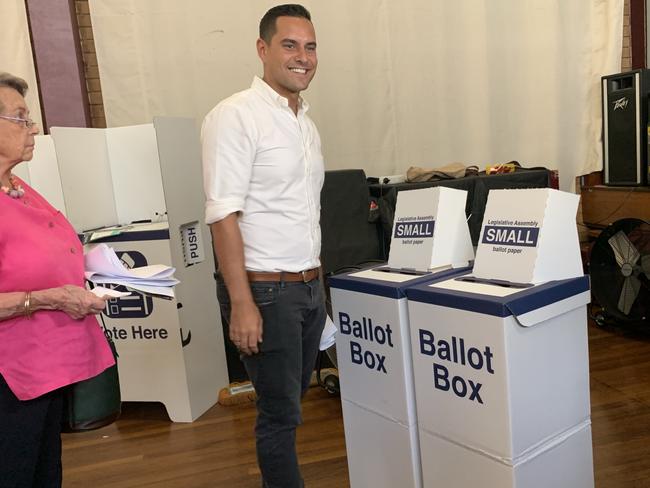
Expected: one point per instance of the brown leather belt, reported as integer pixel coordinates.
(304, 276)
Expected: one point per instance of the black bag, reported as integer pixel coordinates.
(93, 403)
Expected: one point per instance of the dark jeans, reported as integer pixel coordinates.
(293, 315)
(30, 440)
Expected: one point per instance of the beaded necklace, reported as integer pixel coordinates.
(15, 191)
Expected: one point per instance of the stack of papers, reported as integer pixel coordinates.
(103, 266)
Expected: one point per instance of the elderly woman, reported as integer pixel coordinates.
(49, 337)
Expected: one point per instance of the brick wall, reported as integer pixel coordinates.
(626, 59)
(93, 84)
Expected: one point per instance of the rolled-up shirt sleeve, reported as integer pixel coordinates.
(228, 152)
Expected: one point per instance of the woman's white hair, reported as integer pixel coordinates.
(11, 81)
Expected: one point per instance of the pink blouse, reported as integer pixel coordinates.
(39, 249)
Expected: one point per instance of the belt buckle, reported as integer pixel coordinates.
(304, 276)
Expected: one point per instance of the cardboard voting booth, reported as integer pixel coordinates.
(502, 383)
(170, 351)
(374, 360)
(430, 230)
(529, 236)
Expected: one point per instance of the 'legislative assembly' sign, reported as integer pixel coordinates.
(430, 230)
(529, 236)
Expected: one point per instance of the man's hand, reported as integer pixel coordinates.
(246, 327)
(245, 318)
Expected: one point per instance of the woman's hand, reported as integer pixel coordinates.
(78, 302)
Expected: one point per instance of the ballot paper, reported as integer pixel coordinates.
(155, 291)
(104, 267)
(328, 337)
(101, 291)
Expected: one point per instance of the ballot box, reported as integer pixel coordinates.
(374, 360)
(501, 378)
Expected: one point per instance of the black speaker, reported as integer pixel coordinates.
(625, 127)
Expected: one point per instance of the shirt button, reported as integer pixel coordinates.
(50, 224)
(73, 250)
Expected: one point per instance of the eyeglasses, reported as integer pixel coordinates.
(29, 123)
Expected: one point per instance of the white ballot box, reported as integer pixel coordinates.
(374, 361)
(170, 351)
(502, 383)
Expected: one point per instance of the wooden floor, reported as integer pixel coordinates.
(144, 449)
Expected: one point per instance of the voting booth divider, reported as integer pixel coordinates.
(110, 176)
(373, 342)
(171, 351)
(42, 172)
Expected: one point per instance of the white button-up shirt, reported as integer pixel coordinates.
(263, 161)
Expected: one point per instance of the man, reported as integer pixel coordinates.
(263, 173)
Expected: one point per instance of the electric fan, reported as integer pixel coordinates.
(620, 271)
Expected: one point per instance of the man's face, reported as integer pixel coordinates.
(16, 140)
(290, 59)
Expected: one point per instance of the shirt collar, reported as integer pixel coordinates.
(268, 93)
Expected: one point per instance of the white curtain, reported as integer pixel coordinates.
(16, 50)
(16, 57)
(415, 82)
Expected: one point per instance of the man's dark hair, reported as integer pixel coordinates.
(267, 24)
